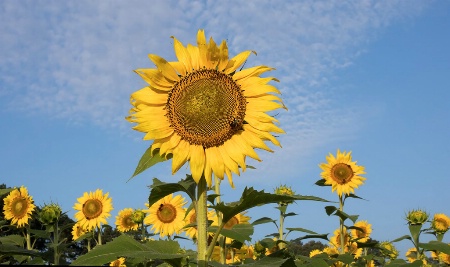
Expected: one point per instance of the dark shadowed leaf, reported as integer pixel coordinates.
(160, 189)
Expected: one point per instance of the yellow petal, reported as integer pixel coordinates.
(223, 56)
(215, 161)
(245, 147)
(149, 96)
(260, 116)
(180, 155)
(166, 69)
(257, 104)
(228, 161)
(170, 143)
(233, 150)
(155, 78)
(158, 133)
(197, 161)
(257, 90)
(179, 67)
(254, 141)
(193, 50)
(254, 71)
(262, 134)
(182, 54)
(267, 127)
(202, 49)
(237, 61)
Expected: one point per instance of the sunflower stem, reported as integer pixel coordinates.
(341, 225)
(28, 238)
(280, 229)
(99, 236)
(219, 222)
(202, 223)
(55, 243)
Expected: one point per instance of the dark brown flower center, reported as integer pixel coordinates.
(166, 213)
(206, 107)
(231, 222)
(127, 221)
(92, 208)
(19, 207)
(341, 173)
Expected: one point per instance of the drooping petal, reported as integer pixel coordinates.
(215, 160)
(250, 72)
(197, 161)
(166, 69)
(180, 155)
(237, 61)
(182, 54)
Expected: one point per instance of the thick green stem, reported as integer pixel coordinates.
(143, 232)
(99, 236)
(202, 220)
(341, 226)
(281, 228)
(28, 238)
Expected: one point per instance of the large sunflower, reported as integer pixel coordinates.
(124, 220)
(166, 215)
(93, 209)
(342, 173)
(18, 206)
(202, 110)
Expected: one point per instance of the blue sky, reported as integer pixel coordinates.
(369, 77)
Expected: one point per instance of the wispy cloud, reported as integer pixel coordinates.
(74, 60)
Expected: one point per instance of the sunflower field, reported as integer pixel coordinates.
(208, 111)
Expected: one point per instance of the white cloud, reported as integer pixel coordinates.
(74, 60)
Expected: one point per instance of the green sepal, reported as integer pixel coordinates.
(148, 160)
(160, 189)
(126, 246)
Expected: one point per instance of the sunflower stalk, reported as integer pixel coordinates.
(201, 211)
(99, 236)
(219, 220)
(282, 209)
(55, 243)
(341, 225)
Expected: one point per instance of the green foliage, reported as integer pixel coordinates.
(148, 160)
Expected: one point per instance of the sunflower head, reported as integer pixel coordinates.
(362, 232)
(417, 217)
(77, 231)
(50, 214)
(342, 173)
(166, 215)
(314, 252)
(138, 216)
(440, 223)
(389, 250)
(200, 109)
(18, 206)
(124, 220)
(93, 209)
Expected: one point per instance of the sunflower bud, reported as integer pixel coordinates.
(440, 223)
(284, 190)
(417, 217)
(50, 214)
(138, 216)
(260, 248)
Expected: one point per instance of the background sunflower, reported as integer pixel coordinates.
(124, 220)
(18, 206)
(93, 209)
(167, 215)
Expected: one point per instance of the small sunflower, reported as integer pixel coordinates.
(77, 231)
(93, 209)
(166, 215)
(440, 223)
(239, 218)
(119, 262)
(315, 252)
(190, 218)
(389, 250)
(201, 110)
(18, 206)
(363, 233)
(342, 173)
(124, 220)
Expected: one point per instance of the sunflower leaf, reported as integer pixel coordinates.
(160, 189)
(252, 198)
(147, 160)
(240, 232)
(437, 246)
(263, 220)
(321, 182)
(125, 246)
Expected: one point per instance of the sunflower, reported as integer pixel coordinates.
(440, 223)
(77, 231)
(342, 173)
(93, 209)
(18, 206)
(119, 262)
(363, 233)
(239, 218)
(201, 110)
(166, 215)
(124, 220)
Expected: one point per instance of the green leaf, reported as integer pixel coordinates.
(16, 240)
(126, 246)
(301, 230)
(321, 236)
(5, 191)
(160, 189)
(10, 249)
(149, 159)
(239, 232)
(263, 220)
(252, 198)
(346, 258)
(436, 245)
(353, 196)
(401, 238)
(332, 210)
(290, 214)
(321, 182)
